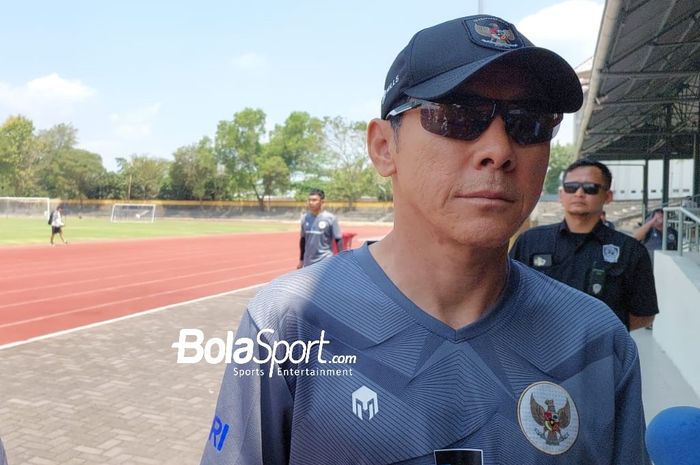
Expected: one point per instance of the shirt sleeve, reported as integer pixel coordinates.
(630, 426)
(252, 421)
(3, 457)
(336, 229)
(640, 291)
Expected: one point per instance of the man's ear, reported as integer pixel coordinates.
(608, 196)
(381, 146)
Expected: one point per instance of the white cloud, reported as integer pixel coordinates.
(45, 97)
(570, 28)
(54, 87)
(249, 61)
(135, 124)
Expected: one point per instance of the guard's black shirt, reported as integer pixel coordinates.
(604, 263)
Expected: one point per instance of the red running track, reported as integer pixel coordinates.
(46, 289)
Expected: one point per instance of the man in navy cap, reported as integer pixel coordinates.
(431, 346)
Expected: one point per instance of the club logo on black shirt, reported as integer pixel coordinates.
(542, 260)
(611, 253)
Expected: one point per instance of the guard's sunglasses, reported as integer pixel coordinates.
(589, 188)
(526, 122)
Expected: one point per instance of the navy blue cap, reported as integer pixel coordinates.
(439, 59)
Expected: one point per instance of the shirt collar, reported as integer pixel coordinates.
(600, 231)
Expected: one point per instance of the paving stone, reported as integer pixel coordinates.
(109, 444)
(108, 394)
(41, 461)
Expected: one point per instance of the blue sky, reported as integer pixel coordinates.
(146, 77)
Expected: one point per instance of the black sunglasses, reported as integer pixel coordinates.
(525, 123)
(589, 188)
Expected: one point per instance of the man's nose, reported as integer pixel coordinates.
(495, 149)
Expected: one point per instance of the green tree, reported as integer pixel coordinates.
(298, 142)
(52, 145)
(238, 145)
(57, 139)
(110, 185)
(219, 187)
(144, 175)
(274, 173)
(125, 169)
(559, 158)
(381, 187)
(351, 174)
(18, 157)
(192, 170)
(76, 173)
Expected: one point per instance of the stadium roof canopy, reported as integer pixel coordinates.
(643, 98)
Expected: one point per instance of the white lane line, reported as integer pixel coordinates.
(126, 317)
(107, 304)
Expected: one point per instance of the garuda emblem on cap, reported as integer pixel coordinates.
(495, 33)
(548, 417)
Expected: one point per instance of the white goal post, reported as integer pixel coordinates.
(36, 207)
(133, 213)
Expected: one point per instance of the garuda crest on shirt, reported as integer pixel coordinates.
(548, 417)
(552, 421)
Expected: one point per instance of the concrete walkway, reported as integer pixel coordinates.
(663, 385)
(113, 394)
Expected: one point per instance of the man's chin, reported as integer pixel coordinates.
(485, 238)
(580, 212)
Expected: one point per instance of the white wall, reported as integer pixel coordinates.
(677, 327)
(628, 181)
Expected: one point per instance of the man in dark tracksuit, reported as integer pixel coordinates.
(319, 229)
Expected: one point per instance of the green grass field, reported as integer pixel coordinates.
(18, 231)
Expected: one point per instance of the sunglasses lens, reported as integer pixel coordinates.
(589, 188)
(530, 127)
(456, 121)
(571, 187)
(469, 121)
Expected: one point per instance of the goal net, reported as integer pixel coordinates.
(133, 213)
(30, 207)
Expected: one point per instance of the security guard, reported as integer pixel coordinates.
(583, 253)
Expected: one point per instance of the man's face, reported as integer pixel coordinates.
(315, 203)
(579, 203)
(475, 192)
